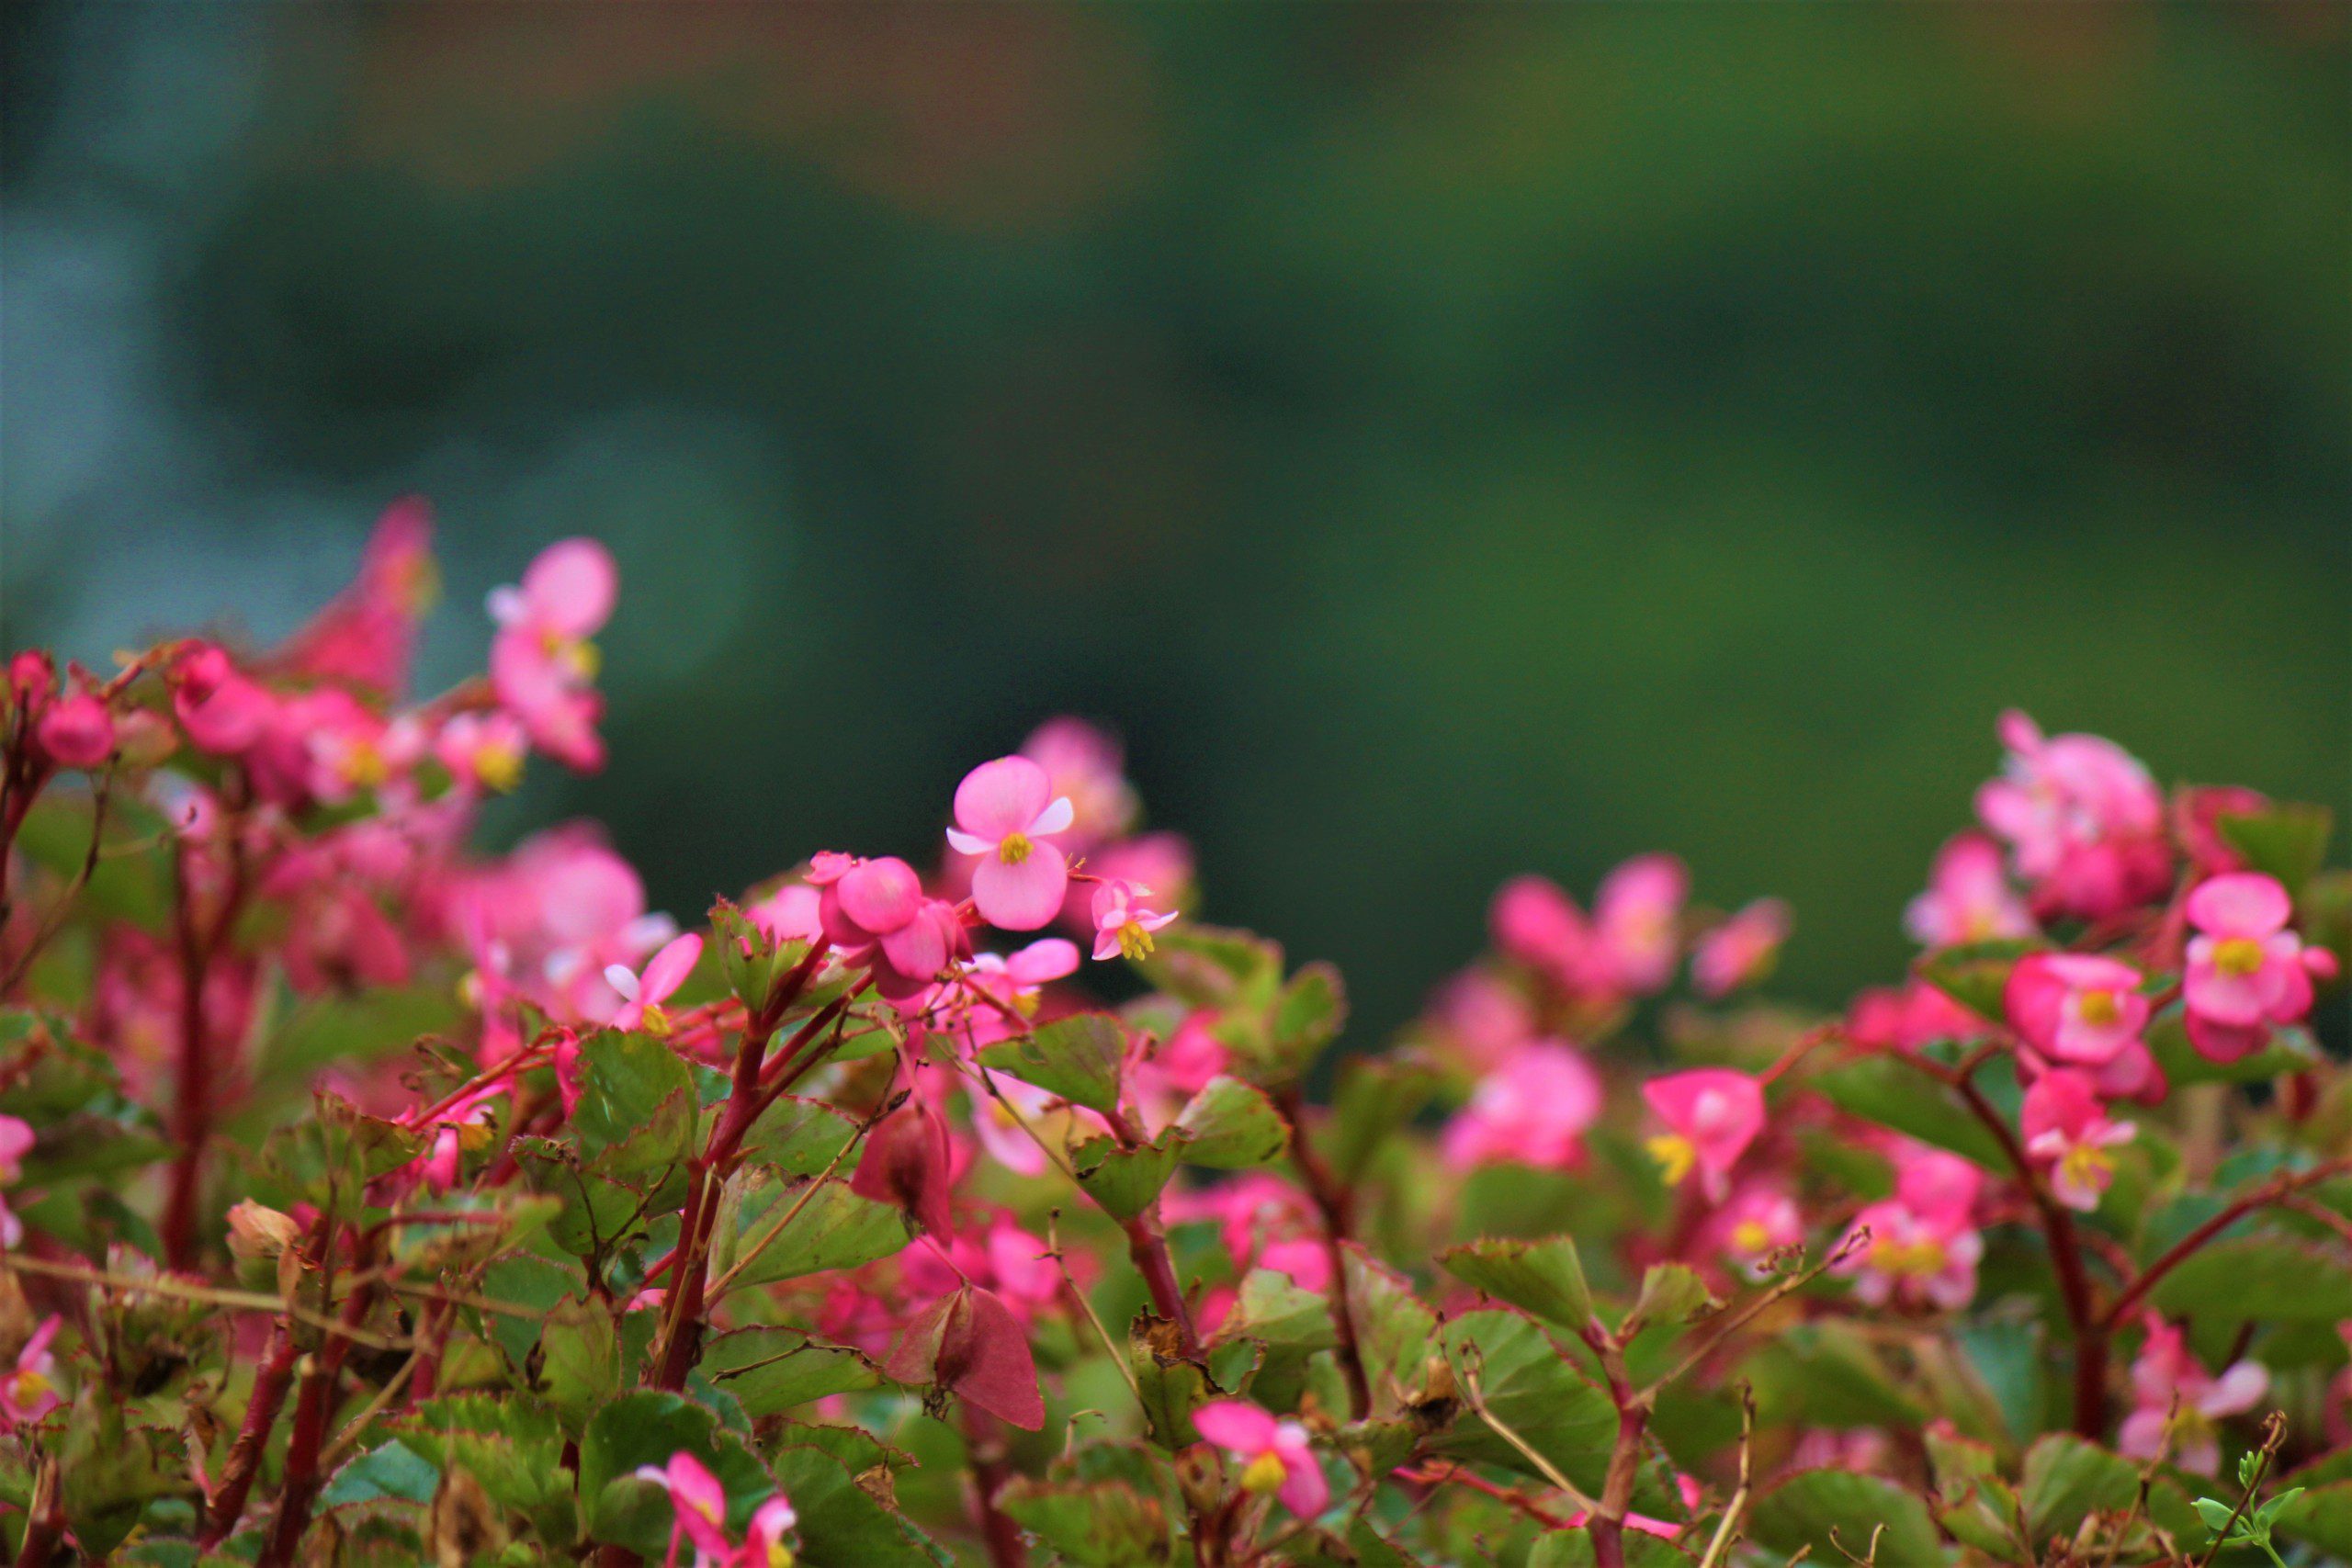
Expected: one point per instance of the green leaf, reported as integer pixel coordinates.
(1671, 1293)
(1078, 1057)
(1375, 1096)
(2288, 1051)
(799, 1138)
(1274, 1311)
(1532, 1388)
(1396, 1331)
(637, 1103)
(841, 1524)
(1123, 1181)
(2068, 1480)
(1974, 973)
(1307, 1016)
(328, 1158)
(835, 1228)
(1883, 1090)
(1208, 966)
(580, 1360)
(2266, 1278)
(772, 1370)
(394, 1472)
(598, 1213)
(1170, 1384)
(1545, 1276)
(2288, 841)
(1230, 1126)
(1100, 1524)
(1823, 1509)
(525, 1281)
(2320, 1517)
(351, 1029)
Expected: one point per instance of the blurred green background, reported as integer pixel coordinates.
(1444, 440)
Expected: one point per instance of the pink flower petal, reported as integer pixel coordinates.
(2242, 903)
(572, 586)
(1236, 1426)
(1000, 798)
(1023, 896)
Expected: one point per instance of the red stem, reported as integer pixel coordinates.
(1006, 1546)
(192, 1112)
(271, 1380)
(1336, 1204)
(313, 1411)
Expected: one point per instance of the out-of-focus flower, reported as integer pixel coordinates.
(1742, 949)
(542, 664)
(2075, 1006)
(2083, 820)
(30, 1392)
(1711, 1115)
(2166, 1368)
(2067, 1130)
(642, 994)
(1277, 1457)
(2245, 970)
(1968, 898)
(1533, 1109)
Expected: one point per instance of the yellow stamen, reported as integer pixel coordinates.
(1749, 1235)
(2087, 1164)
(1263, 1474)
(655, 1022)
(2099, 1008)
(779, 1555)
(1134, 941)
(1014, 848)
(2238, 956)
(498, 765)
(26, 1388)
(1674, 1155)
(1916, 1258)
(364, 765)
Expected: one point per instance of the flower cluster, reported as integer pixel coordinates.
(367, 1198)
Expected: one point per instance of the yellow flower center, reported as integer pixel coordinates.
(1014, 848)
(2087, 1164)
(498, 765)
(416, 582)
(2101, 1008)
(1749, 1235)
(364, 765)
(577, 655)
(1134, 941)
(779, 1555)
(655, 1022)
(1262, 1475)
(2239, 956)
(26, 1388)
(1915, 1260)
(1674, 1155)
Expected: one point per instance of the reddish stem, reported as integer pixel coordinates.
(271, 1380)
(313, 1411)
(1006, 1546)
(1336, 1205)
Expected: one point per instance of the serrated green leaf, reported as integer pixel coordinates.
(637, 1104)
(1532, 1388)
(1231, 1125)
(799, 1138)
(1125, 1181)
(1883, 1090)
(772, 1369)
(835, 1228)
(1078, 1057)
(1545, 1276)
(1823, 1509)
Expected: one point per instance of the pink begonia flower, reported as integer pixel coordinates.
(1276, 1456)
(1924, 1247)
(699, 1503)
(2165, 1368)
(642, 994)
(763, 1543)
(1021, 1267)
(16, 1140)
(2083, 820)
(1161, 862)
(1740, 951)
(28, 1393)
(1711, 1114)
(860, 900)
(366, 635)
(2197, 822)
(2245, 970)
(1968, 898)
(1626, 949)
(542, 665)
(1480, 1018)
(76, 731)
(1000, 993)
(223, 711)
(1188, 1058)
(1635, 915)
(1904, 1018)
(2067, 1129)
(789, 914)
(1084, 766)
(1760, 1220)
(482, 750)
(1004, 811)
(550, 917)
(1533, 1109)
(1121, 925)
(2075, 1006)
